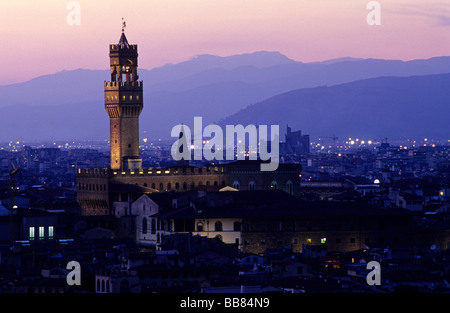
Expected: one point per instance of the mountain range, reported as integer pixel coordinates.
(347, 96)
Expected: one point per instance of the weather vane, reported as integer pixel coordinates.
(123, 25)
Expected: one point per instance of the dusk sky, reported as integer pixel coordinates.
(37, 40)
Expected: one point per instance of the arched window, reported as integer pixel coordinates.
(236, 184)
(153, 230)
(289, 187)
(199, 226)
(274, 185)
(251, 185)
(237, 226)
(218, 226)
(169, 186)
(177, 186)
(161, 186)
(153, 186)
(184, 186)
(144, 225)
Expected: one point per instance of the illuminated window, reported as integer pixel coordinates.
(323, 240)
(131, 98)
(31, 232)
(50, 232)
(41, 232)
(137, 97)
(308, 240)
(123, 98)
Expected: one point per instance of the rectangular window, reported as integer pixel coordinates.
(323, 240)
(50, 232)
(308, 240)
(31, 233)
(41, 232)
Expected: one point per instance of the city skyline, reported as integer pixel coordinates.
(95, 197)
(43, 40)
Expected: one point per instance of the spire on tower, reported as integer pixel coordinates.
(123, 39)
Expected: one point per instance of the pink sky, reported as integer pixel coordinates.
(37, 40)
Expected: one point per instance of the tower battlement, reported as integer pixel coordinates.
(122, 48)
(115, 84)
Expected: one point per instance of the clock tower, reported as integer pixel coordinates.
(124, 103)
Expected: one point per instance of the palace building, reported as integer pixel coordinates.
(125, 179)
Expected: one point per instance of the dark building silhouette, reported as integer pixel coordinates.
(296, 142)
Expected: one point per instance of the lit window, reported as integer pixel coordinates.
(308, 240)
(323, 240)
(137, 97)
(41, 232)
(131, 98)
(123, 98)
(50, 232)
(31, 232)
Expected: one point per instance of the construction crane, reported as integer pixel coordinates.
(12, 208)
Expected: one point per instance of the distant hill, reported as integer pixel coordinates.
(69, 104)
(398, 107)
